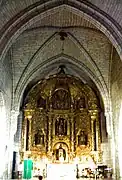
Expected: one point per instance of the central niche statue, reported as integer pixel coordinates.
(60, 127)
(60, 153)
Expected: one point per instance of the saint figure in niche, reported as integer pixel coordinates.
(82, 138)
(81, 103)
(39, 138)
(41, 103)
(61, 127)
(42, 139)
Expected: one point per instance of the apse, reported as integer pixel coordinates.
(62, 122)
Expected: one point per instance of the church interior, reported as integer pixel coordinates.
(60, 89)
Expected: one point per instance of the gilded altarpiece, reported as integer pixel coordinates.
(61, 121)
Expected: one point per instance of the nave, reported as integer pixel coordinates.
(60, 84)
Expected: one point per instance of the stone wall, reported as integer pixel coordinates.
(6, 85)
(6, 90)
(116, 97)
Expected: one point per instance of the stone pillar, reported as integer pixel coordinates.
(14, 117)
(20, 119)
(13, 128)
(19, 129)
(17, 139)
(111, 143)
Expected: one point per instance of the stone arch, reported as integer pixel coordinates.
(100, 19)
(65, 59)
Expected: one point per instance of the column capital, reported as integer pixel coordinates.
(93, 114)
(28, 114)
(93, 110)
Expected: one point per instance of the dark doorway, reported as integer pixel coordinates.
(14, 165)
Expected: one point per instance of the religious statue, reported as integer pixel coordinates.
(60, 154)
(39, 138)
(41, 103)
(42, 139)
(61, 127)
(81, 103)
(82, 138)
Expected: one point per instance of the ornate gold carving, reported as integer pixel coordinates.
(75, 106)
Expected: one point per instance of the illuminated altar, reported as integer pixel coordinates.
(61, 122)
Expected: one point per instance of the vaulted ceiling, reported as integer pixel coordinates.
(10, 8)
(31, 43)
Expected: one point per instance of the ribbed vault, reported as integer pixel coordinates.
(26, 18)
